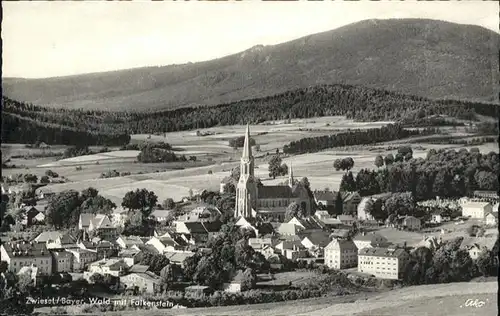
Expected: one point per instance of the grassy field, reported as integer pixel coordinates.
(215, 159)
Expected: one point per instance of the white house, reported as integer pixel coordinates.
(436, 218)
(341, 254)
(26, 254)
(145, 282)
(491, 218)
(129, 241)
(476, 209)
(115, 267)
(321, 215)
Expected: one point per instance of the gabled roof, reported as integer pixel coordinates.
(494, 214)
(26, 249)
(289, 229)
(290, 244)
(212, 227)
(148, 276)
(348, 196)
(195, 227)
(341, 244)
(331, 221)
(309, 222)
(178, 257)
(131, 240)
(481, 242)
(345, 218)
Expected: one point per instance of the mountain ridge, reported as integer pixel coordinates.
(430, 58)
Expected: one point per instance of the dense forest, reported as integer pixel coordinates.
(357, 137)
(444, 173)
(27, 123)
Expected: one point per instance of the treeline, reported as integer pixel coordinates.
(356, 137)
(444, 173)
(150, 153)
(355, 102)
(16, 129)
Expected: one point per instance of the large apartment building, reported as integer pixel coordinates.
(26, 254)
(384, 263)
(341, 254)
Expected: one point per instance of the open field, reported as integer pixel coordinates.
(428, 300)
(214, 155)
(284, 278)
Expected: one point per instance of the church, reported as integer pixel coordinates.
(265, 201)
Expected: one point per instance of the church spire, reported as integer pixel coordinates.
(247, 147)
(290, 175)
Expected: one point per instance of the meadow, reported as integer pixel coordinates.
(215, 158)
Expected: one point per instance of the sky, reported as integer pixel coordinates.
(48, 39)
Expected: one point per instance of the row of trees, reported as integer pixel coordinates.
(350, 138)
(444, 173)
(26, 123)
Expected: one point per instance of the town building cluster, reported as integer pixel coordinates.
(320, 237)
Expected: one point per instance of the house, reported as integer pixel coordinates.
(307, 224)
(324, 199)
(144, 282)
(128, 241)
(346, 220)
(321, 215)
(315, 243)
(342, 233)
(289, 229)
(436, 218)
(292, 250)
(412, 223)
(99, 224)
(129, 256)
(162, 216)
(198, 290)
(350, 202)
(332, 223)
(62, 261)
(384, 263)
(103, 248)
(178, 257)
(114, 266)
(341, 254)
(259, 243)
(56, 240)
(267, 251)
(476, 245)
(44, 193)
(236, 285)
(370, 240)
(200, 231)
(21, 254)
(476, 209)
(32, 216)
(81, 258)
(491, 218)
(164, 244)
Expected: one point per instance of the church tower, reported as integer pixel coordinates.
(246, 190)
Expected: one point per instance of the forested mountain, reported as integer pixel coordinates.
(429, 58)
(23, 122)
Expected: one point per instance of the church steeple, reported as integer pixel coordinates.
(247, 147)
(246, 190)
(290, 175)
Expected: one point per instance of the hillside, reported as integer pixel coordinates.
(428, 58)
(26, 123)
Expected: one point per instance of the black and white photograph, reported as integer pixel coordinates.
(254, 158)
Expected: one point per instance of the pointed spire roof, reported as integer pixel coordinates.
(247, 148)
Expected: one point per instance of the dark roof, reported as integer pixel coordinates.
(310, 222)
(212, 227)
(148, 248)
(320, 239)
(195, 227)
(350, 196)
(26, 249)
(275, 191)
(325, 195)
(139, 268)
(381, 252)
